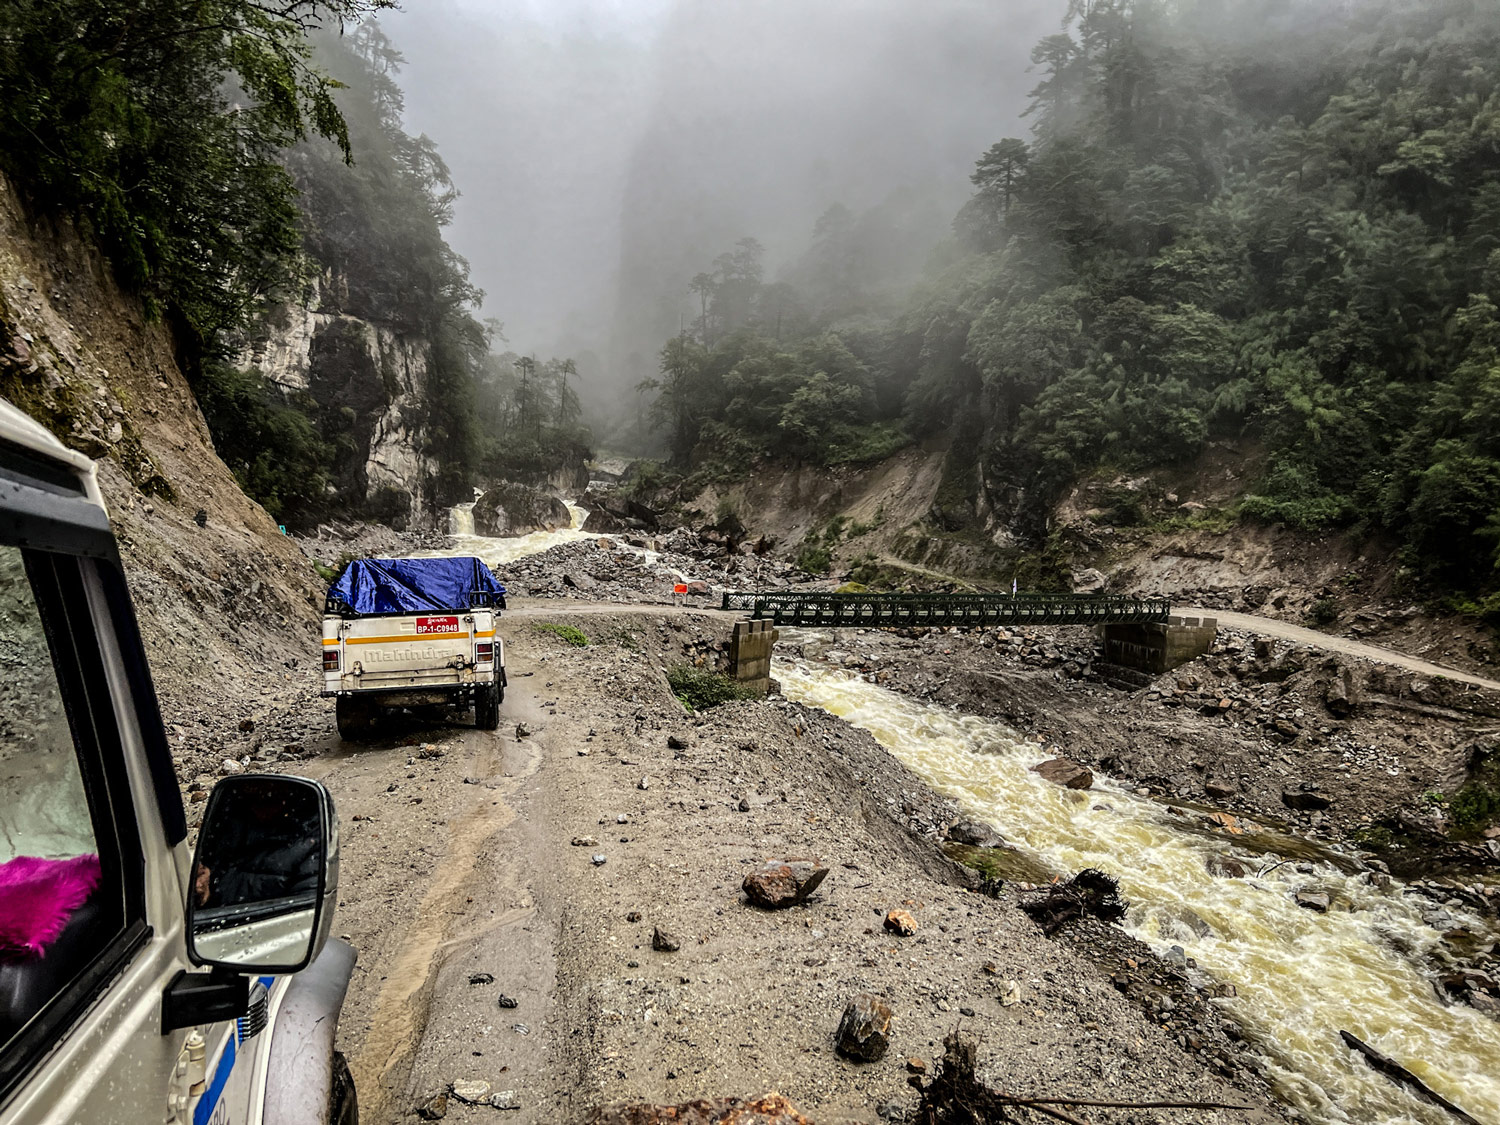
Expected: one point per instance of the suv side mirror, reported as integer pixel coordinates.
(265, 875)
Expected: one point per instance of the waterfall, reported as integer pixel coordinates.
(461, 519)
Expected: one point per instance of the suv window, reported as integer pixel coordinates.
(69, 858)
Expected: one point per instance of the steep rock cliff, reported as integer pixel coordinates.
(369, 385)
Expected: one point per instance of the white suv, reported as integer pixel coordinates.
(139, 984)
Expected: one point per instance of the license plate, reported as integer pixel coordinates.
(437, 625)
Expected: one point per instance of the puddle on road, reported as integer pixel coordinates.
(1301, 976)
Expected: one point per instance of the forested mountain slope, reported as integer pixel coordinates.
(1272, 226)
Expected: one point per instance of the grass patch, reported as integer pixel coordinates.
(569, 633)
(700, 689)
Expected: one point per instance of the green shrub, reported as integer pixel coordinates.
(569, 633)
(814, 558)
(1474, 806)
(701, 689)
(1324, 611)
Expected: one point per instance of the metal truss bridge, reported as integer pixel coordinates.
(897, 610)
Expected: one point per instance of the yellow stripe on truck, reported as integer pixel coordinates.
(404, 637)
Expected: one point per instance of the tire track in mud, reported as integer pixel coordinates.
(398, 1016)
(400, 1011)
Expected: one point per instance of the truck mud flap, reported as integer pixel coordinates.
(300, 1072)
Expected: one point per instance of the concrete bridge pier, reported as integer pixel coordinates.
(750, 654)
(1157, 648)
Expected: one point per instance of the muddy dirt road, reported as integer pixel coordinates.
(538, 861)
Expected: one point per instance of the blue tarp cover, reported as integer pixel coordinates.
(375, 586)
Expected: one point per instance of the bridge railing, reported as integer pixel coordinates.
(874, 610)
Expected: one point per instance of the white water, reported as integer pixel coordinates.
(498, 552)
(1301, 976)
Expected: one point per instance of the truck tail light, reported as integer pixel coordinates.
(484, 652)
(330, 660)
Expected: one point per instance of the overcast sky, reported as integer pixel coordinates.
(604, 147)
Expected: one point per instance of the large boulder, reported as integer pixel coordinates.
(1342, 696)
(518, 509)
(1068, 774)
(781, 883)
(976, 834)
(1089, 581)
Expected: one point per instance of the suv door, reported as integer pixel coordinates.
(90, 901)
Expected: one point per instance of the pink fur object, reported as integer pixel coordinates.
(38, 896)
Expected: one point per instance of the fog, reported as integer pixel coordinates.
(607, 150)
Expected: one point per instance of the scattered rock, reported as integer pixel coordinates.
(481, 978)
(1218, 790)
(585, 842)
(523, 730)
(434, 1108)
(247, 726)
(508, 1002)
(772, 1109)
(1010, 994)
(643, 783)
(633, 916)
(505, 1099)
(744, 805)
(1342, 696)
(1089, 581)
(598, 858)
(663, 942)
(864, 1030)
(976, 834)
(1312, 900)
(901, 922)
(676, 742)
(1068, 774)
(1303, 800)
(781, 883)
(471, 1092)
(916, 1066)
(231, 766)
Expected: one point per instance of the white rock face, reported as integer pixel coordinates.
(284, 356)
(395, 460)
(396, 367)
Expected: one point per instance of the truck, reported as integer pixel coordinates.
(413, 633)
(141, 981)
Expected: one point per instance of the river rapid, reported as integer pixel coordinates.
(1301, 976)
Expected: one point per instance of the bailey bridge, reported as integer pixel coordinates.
(1138, 634)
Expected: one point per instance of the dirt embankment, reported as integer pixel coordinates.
(228, 605)
(539, 864)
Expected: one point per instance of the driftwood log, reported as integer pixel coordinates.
(1399, 1074)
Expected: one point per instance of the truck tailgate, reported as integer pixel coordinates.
(418, 650)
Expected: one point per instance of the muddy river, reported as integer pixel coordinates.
(1366, 966)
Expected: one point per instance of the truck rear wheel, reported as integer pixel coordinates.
(356, 718)
(487, 707)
